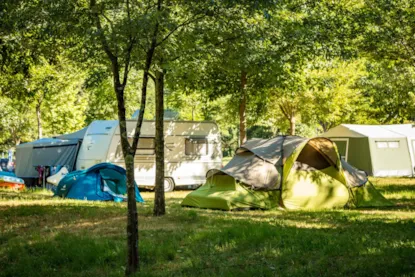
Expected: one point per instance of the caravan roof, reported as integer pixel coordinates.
(404, 129)
(75, 135)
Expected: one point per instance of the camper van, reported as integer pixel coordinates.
(191, 149)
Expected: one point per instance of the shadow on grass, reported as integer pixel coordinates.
(216, 246)
(25, 195)
(77, 238)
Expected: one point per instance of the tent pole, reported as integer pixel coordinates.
(44, 177)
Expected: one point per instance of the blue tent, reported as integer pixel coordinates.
(101, 182)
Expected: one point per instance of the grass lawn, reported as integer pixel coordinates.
(44, 236)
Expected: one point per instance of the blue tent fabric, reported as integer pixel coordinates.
(101, 182)
(7, 173)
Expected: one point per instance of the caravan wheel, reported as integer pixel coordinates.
(168, 185)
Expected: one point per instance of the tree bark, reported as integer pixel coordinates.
(289, 111)
(242, 109)
(292, 126)
(132, 219)
(17, 141)
(39, 122)
(159, 201)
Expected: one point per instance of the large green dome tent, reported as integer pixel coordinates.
(289, 172)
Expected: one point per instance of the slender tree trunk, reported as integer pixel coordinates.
(292, 126)
(133, 262)
(39, 122)
(159, 201)
(289, 111)
(129, 151)
(132, 219)
(132, 214)
(242, 110)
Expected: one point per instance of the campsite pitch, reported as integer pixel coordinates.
(44, 236)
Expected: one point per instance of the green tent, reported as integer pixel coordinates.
(379, 150)
(289, 172)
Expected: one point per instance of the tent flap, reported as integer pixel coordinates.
(258, 163)
(251, 170)
(354, 177)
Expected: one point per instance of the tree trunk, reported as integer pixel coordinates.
(289, 110)
(39, 122)
(129, 153)
(128, 150)
(159, 202)
(133, 262)
(292, 126)
(132, 218)
(242, 110)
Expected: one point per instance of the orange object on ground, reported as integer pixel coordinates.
(12, 186)
(11, 182)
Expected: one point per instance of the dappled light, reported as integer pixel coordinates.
(184, 164)
(37, 229)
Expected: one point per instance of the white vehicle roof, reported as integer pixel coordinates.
(372, 131)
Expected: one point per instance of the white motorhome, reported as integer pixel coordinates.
(191, 149)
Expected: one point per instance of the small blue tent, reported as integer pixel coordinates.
(101, 182)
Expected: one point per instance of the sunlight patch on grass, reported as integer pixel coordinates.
(44, 236)
(392, 180)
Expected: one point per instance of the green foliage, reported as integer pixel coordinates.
(388, 30)
(334, 95)
(328, 93)
(390, 87)
(58, 89)
(335, 62)
(102, 102)
(17, 123)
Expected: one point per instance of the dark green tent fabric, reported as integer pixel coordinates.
(368, 196)
(288, 172)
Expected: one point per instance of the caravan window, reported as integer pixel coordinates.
(382, 144)
(387, 144)
(393, 144)
(146, 146)
(196, 146)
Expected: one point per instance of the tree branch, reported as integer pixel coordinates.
(104, 42)
(130, 47)
(284, 111)
(193, 19)
(149, 58)
(152, 77)
(109, 21)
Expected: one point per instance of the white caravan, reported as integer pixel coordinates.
(191, 149)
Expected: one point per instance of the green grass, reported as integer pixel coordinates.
(45, 236)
